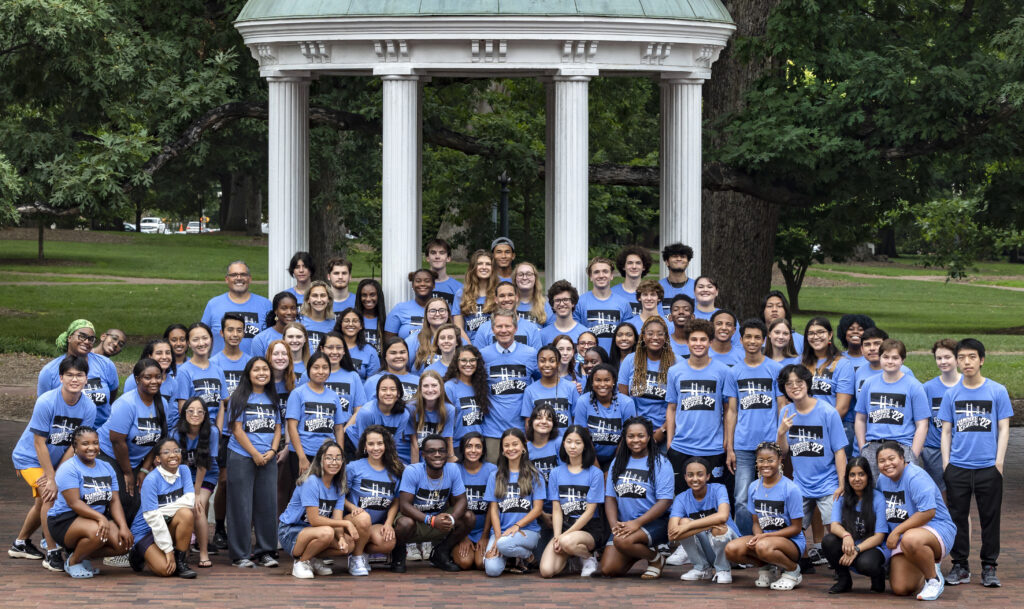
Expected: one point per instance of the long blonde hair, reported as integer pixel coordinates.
(421, 404)
(537, 299)
(425, 336)
(638, 386)
(289, 371)
(307, 309)
(471, 288)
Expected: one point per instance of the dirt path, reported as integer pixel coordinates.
(106, 279)
(929, 278)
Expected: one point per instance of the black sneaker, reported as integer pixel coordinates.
(816, 557)
(988, 577)
(25, 549)
(220, 540)
(54, 561)
(266, 560)
(441, 558)
(398, 558)
(958, 575)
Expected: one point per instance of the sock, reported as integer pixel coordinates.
(795, 571)
(19, 542)
(816, 546)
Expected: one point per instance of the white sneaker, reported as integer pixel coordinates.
(425, 549)
(678, 557)
(765, 577)
(120, 561)
(302, 570)
(412, 552)
(319, 567)
(356, 567)
(722, 577)
(589, 567)
(932, 590)
(696, 574)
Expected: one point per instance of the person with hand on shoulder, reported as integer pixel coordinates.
(101, 386)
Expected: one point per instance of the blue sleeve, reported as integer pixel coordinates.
(671, 388)
(724, 381)
(946, 408)
(577, 313)
(922, 489)
(110, 376)
(42, 416)
(844, 377)
(732, 386)
(113, 475)
(294, 408)
(836, 433)
(186, 480)
(596, 492)
(372, 363)
(358, 394)
(609, 484)
(66, 476)
(448, 431)
(540, 490)
(121, 418)
(489, 491)
(750, 499)
(208, 313)
(794, 502)
(533, 339)
(527, 408)
(665, 480)
(861, 405)
(309, 495)
(627, 406)
(677, 510)
(881, 524)
(552, 486)
(626, 371)
(340, 415)
(837, 513)
(920, 407)
(722, 496)
(392, 323)
(370, 386)
(410, 480)
(148, 493)
(579, 413)
(351, 476)
(1002, 407)
(43, 384)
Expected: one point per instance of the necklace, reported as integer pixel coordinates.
(435, 486)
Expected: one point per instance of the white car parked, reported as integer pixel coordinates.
(151, 225)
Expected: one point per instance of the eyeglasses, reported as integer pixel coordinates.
(170, 451)
(436, 311)
(587, 344)
(75, 376)
(434, 451)
(196, 411)
(525, 274)
(795, 384)
(467, 360)
(818, 333)
(561, 301)
(329, 459)
(237, 275)
(85, 338)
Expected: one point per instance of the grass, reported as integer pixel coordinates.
(914, 265)
(19, 278)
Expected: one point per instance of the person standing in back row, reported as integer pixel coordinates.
(439, 254)
(504, 252)
(676, 257)
(238, 299)
(600, 309)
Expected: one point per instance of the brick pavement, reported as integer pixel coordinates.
(26, 584)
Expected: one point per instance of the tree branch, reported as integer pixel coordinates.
(38, 208)
(966, 132)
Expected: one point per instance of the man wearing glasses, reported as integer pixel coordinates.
(562, 297)
(238, 299)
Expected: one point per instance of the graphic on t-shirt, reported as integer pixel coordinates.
(770, 514)
(372, 337)
(755, 394)
(560, 406)
(895, 506)
(475, 498)
(376, 495)
(94, 389)
(822, 384)
(252, 323)
(149, 432)
(427, 429)
(513, 501)
(416, 321)
(208, 390)
(936, 422)
(343, 390)
(806, 441)
(324, 508)
(319, 417)
(604, 431)
(476, 319)
(511, 379)
(636, 308)
(701, 514)
(887, 408)
(572, 498)
(231, 379)
(527, 316)
(98, 490)
(652, 390)
(699, 395)
(631, 483)
(602, 322)
(470, 411)
(973, 415)
(259, 418)
(315, 340)
(62, 429)
(409, 391)
(545, 465)
(448, 297)
(170, 496)
(430, 500)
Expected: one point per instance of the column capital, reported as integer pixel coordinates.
(396, 72)
(682, 78)
(303, 76)
(575, 74)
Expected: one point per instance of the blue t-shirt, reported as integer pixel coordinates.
(892, 409)
(813, 440)
(371, 489)
(682, 350)
(397, 423)
(508, 375)
(574, 491)
(650, 404)
(366, 360)
(549, 333)
(637, 489)
(827, 384)
(233, 370)
(671, 292)
(527, 333)
(859, 378)
(757, 412)
(156, 493)
(935, 389)
(468, 415)
(775, 508)
(316, 331)
(975, 415)
(916, 492)
(561, 397)
(259, 419)
(447, 289)
(372, 332)
(604, 423)
(685, 505)
(188, 456)
(860, 532)
(261, 343)
(253, 311)
(856, 362)
(733, 357)
(208, 384)
(515, 504)
(349, 388)
(472, 318)
(476, 489)
(168, 389)
(404, 318)
(101, 382)
(299, 298)
(316, 414)
(340, 305)
(55, 420)
(602, 316)
(410, 384)
(438, 366)
(699, 397)
(431, 496)
(96, 484)
(312, 493)
(619, 290)
(432, 424)
(545, 458)
(140, 423)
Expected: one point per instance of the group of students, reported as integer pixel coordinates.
(489, 425)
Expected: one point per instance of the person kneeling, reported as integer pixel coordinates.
(699, 520)
(858, 531)
(163, 526)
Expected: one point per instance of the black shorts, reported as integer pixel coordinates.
(222, 452)
(293, 464)
(596, 526)
(59, 526)
(141, 545)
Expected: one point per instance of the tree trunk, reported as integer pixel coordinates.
(326, 235)
(42, 226)
(253, 204)
(793, 284)
(234, 202)
(738, 230)
(887, 243)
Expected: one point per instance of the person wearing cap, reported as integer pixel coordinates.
(504, 252)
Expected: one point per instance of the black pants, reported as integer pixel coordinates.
(986, 485)
(678, 461)
(130, 503)
(869, 562)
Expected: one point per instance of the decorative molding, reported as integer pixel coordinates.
(708, 55)
(655, 53)
(264, 54)
(315, 51)
(579, 51)
(489, 50)
(391, 50)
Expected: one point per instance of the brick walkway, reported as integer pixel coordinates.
(26, 584)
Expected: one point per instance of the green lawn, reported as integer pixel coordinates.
(19, 278)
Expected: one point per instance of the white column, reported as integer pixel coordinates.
(401, 185)
(681, 167)
(288, 191)
(571, 156)
(549, 182)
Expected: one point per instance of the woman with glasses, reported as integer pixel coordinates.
(532, 305)
(102, 384)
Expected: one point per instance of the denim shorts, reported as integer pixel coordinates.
(287, 534)
(657, 533)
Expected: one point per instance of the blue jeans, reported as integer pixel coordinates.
(931, 461)
(512, 546)
(851, 440)
(705, 550)
(746, 472)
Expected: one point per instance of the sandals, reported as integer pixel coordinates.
(765, 577)
(654, 568)
(88, 565)
(204, 564)
(78, 571)
(787, 581)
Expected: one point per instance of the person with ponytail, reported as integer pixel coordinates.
(285, 310)
(101, 386)
(199, 440)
